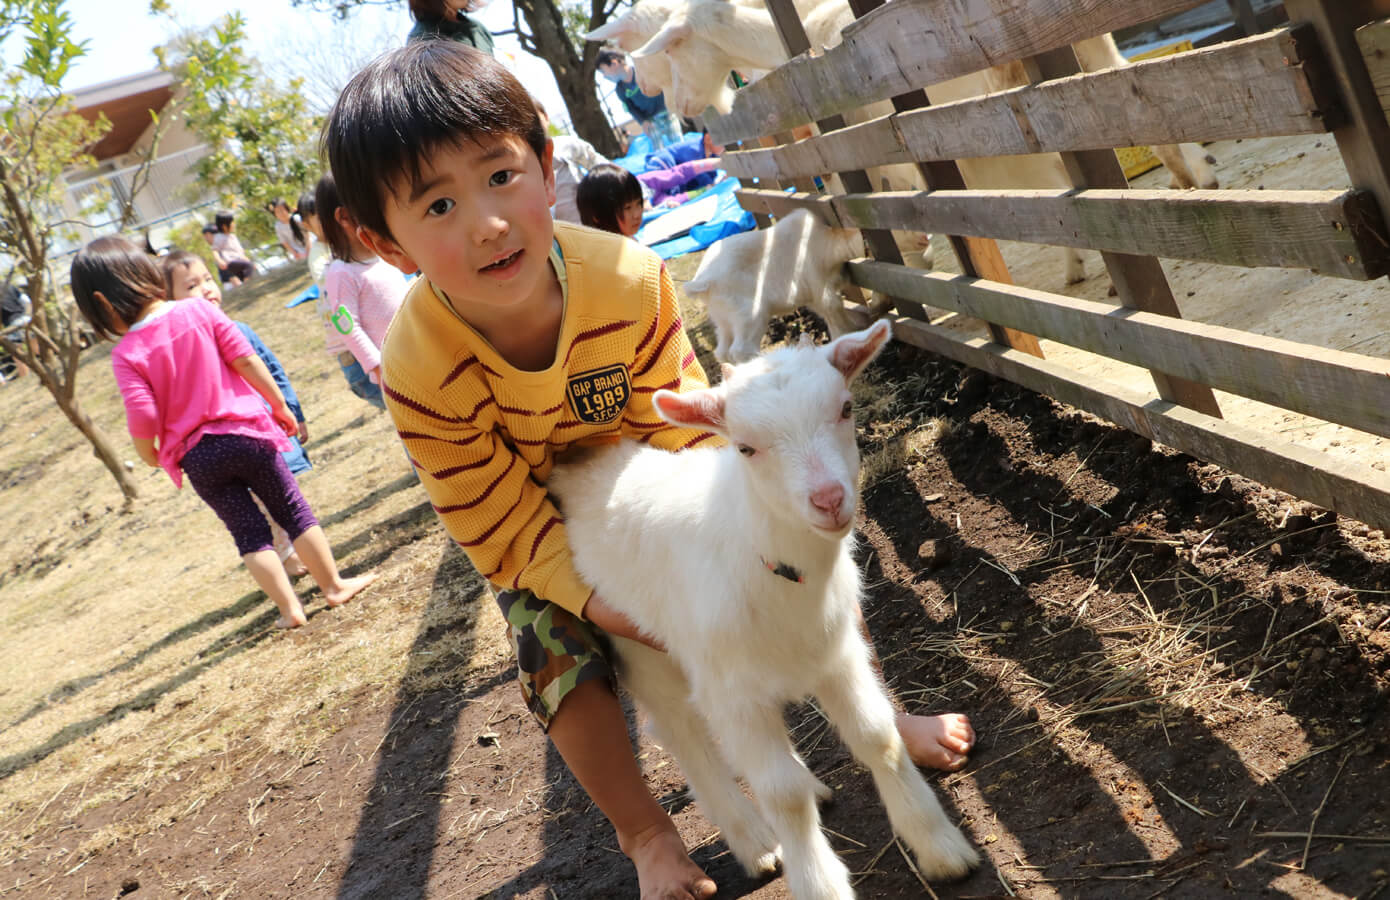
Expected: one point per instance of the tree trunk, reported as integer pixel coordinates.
(574, 73)
(102, 447)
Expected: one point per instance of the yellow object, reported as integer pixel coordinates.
(1138, 160)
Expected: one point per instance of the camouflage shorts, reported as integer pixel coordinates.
(556, 651)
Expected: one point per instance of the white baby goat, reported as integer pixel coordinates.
(739, 560)
(746, 279)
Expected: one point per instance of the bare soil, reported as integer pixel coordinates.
(1178, 678)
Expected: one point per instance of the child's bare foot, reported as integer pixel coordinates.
(294, 566)
(937, 742)
(292, 621)
(348, 588)
(664, 870)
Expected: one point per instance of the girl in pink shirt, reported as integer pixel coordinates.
(360, 296)
(193, 391)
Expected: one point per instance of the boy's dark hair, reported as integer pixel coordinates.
(326, 201)
(223, 220)
(608, 57)
(124, 274)
(171, 263)
(408, 104)
(603, 193)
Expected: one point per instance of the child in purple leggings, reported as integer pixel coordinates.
(193, 390)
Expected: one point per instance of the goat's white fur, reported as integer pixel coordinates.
(687, 47)
(746, 279)
(677, 542)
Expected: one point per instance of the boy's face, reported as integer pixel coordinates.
(477, 223)
(192, 279)
(630, 218)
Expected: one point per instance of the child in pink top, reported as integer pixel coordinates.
(360, 296)
(193, 388)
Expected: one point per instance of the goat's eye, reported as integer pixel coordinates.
(746, 450)
(847, 410)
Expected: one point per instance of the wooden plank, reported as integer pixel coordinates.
(1265, 86)
(1138, 279)
(909, 44)
(1330, 232)
(1364, 139)
(1357, 491)
(1346, 388)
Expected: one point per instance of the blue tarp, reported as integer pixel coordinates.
(730, 218)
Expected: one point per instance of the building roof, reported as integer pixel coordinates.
(126, 102)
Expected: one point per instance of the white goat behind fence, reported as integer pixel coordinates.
(687, 47)
(739, 560)
(746, 279)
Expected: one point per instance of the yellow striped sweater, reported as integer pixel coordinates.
(484, 435)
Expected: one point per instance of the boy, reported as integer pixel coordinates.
(525, 337)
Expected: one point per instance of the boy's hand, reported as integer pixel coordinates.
(303, 432)
(614, 622)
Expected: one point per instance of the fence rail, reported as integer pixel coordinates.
(1327, 73)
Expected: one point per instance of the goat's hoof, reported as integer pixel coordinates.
(765, 866)
(952, 856)
(1211, 185)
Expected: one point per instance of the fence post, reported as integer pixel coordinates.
(1139, 280)
(1365, 140)
(978, 257)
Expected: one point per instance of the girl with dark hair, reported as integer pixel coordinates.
(360, 294)
(289, 229)
(233, 265)
(196, 398)
(610, 198)
(449, 19)
(320, 254)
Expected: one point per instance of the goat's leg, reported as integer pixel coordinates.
(663, 693)
(723, 329)
(748, 336)
(1186, 168)
(855, 702)
(1075, 265)
(755, 740)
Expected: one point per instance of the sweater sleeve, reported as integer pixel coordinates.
(141, 410)
(665, 361)
(485, 496)
(343, 287)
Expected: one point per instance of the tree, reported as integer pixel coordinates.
(43, 138)
(553, 32)
(260, 137)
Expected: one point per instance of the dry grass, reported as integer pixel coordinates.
(135, 645)
(135, 649)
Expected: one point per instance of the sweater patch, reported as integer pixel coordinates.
(599, 396)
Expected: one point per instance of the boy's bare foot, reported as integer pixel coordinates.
(349, 588)
(294, 566)
(937, 742)
(664, 870)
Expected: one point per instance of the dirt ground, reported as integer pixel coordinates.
(1178, 676)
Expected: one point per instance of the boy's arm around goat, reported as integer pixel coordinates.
(484, 435)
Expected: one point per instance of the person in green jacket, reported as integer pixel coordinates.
(449, 19)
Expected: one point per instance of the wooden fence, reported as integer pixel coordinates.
(1320, 74)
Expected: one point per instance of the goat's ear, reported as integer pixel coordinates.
(692, 409)
(673, 32)
(609, 30)
(852, 352)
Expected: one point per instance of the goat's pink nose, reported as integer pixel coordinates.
(828, 498)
